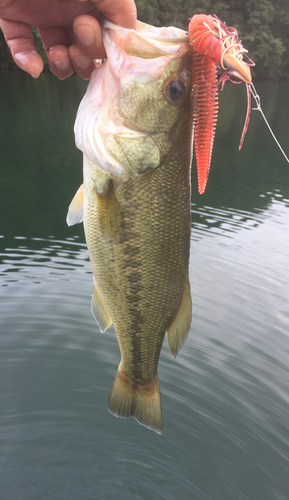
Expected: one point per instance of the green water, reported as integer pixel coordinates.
(226, 396)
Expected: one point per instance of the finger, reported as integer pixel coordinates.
(56, 42)
(21, 44)
(82, 63)
(88, 35)
(54, 36)
(122, 12)
(59, 62)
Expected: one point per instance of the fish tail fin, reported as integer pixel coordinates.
(143, 402)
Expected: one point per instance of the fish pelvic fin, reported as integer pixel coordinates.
(179, 329)
(127, 399)
(99, 311)
(75, 210)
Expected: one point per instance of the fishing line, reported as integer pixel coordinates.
(258, 103)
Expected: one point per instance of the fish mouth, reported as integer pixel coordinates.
(146, 41)
(169, 35)
(237, 68)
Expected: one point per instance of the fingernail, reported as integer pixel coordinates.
(62, 64)
(85, 34)
(82, 61)
(21, 58)
(29, 63)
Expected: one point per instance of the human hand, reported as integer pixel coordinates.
(69, 30)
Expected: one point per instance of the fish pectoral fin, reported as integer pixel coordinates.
(143, 402)
(179, 329)
(75, 210)
(99, 311)
(109, 213)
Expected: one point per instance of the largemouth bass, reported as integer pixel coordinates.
(134, 127)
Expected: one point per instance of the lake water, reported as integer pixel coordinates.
(225, 397)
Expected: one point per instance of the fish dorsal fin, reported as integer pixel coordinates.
(99, 311)
(179, 329)
(75, 210)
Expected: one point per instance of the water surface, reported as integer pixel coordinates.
(225, 397)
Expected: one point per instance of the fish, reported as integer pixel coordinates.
(135, 129)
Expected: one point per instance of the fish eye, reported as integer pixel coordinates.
(175, 90)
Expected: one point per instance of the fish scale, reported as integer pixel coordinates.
(145, 262)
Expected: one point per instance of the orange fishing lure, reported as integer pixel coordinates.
(214, 47)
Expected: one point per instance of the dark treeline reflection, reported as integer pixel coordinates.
(41, 167)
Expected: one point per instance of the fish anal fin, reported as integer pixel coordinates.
(143, 402)
(179, 329)
(75, 210)
(99, 311)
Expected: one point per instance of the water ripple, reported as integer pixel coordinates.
(38, 259)
(225, 397)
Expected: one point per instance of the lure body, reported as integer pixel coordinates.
(213, 47)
